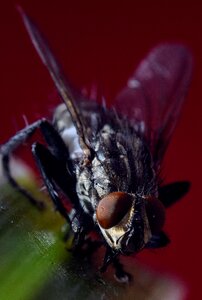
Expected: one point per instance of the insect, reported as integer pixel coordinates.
(107, 162)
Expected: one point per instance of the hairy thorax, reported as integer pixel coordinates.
(120, 160)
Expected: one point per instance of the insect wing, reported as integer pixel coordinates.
(55, 70)
(154, 95)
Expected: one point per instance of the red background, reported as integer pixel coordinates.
(101, 42)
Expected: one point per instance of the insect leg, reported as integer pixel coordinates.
(52, 138)
(56, 176)
(171, 193)
(49, 169)
(63, 165)
(158, 241)
(121, 275)
(8, 148)
(112, 258)
(55, 142)
(80, 222)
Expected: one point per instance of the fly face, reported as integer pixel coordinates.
(123, 222)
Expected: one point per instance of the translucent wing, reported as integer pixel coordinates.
(53, 66)
(154, 95)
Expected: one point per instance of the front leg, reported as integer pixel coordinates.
(120, 274)
(6, 151)
(111, 257)
(56, 177)
(53, 140)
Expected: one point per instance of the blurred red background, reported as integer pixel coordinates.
(100, 42)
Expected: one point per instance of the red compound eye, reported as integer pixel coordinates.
(155, 213)
(112, 208)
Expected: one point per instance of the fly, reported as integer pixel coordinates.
(107, 162)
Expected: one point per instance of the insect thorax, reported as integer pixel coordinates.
(121, 160)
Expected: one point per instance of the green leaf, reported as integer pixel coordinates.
(35, 262)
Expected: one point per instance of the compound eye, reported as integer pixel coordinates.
(155, 213)
(112, 208)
